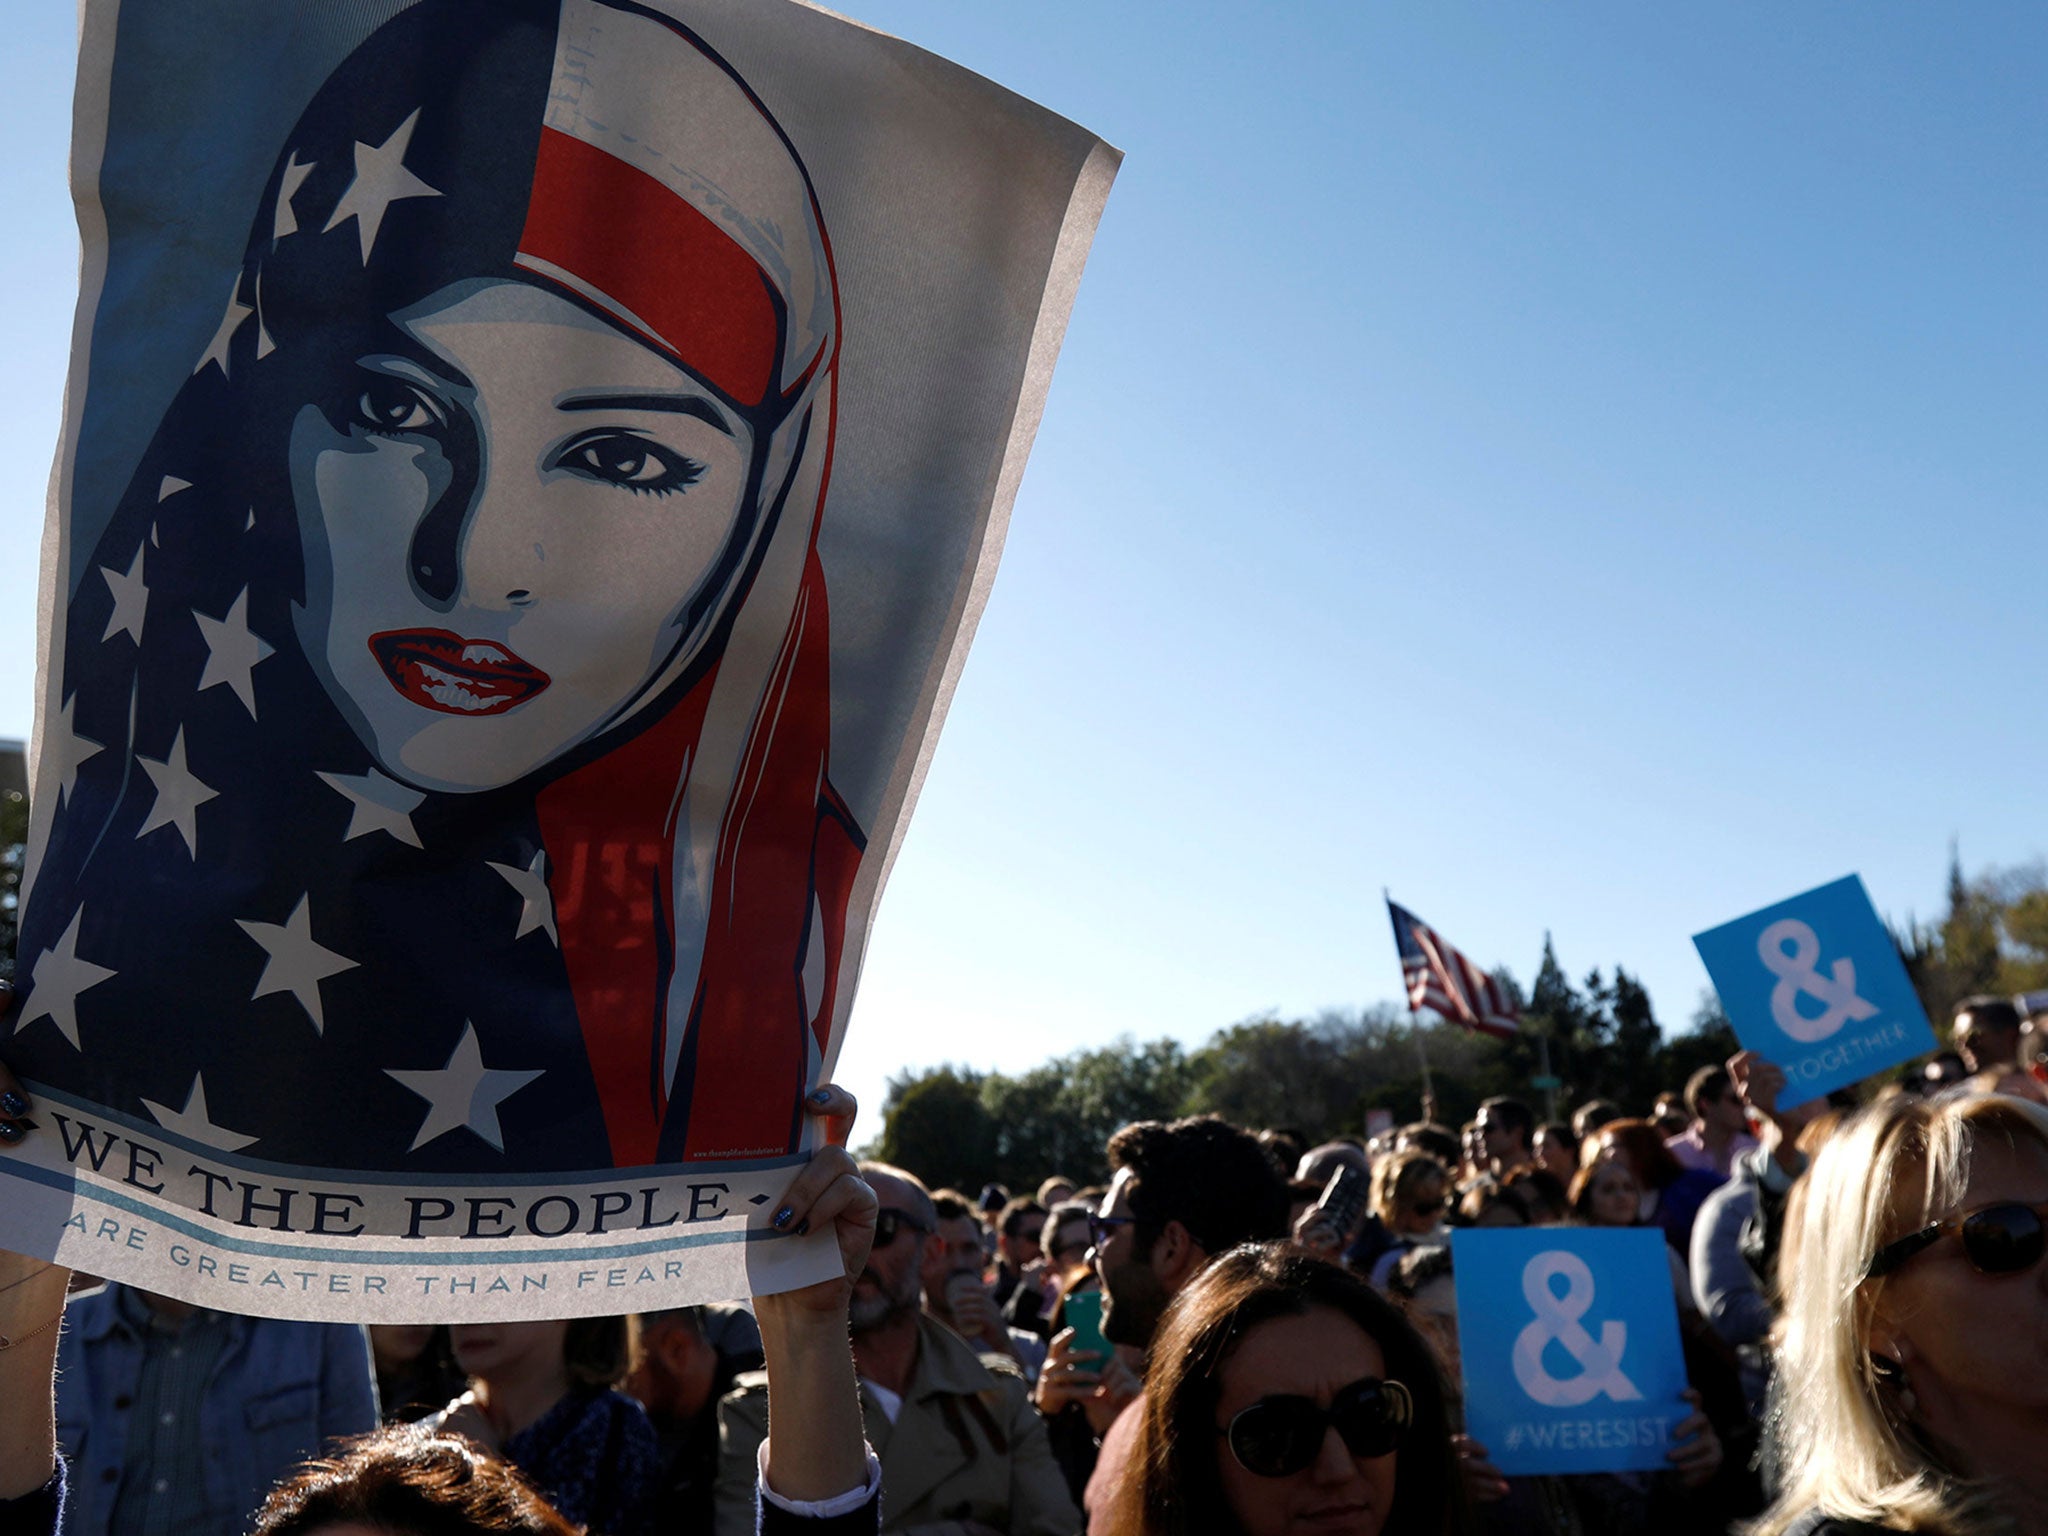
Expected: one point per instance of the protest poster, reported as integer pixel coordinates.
(530, 473)
(1568, 1345)
(1815, 984)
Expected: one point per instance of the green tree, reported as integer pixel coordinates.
(2026, 932)
(933, 1123)
(1465, 1066)
(1603, 1035)
(1272, 1073)
(1323, 1076)
(1058, 1118)
(1993, 937)
(1970, 940)
(1573, 1028)
(1631, 1072)
(1708, 1042)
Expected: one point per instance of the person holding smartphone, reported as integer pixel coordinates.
(1086, 1383)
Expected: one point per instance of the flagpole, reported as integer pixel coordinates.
(1415, 1031)
(1421, 1055)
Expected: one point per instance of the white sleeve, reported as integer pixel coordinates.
(818, 1509)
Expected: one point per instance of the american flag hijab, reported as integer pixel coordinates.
(254, 927)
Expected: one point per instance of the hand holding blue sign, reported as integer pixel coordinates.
(1568, 1340)
(1815, 985)
(1760, 1083)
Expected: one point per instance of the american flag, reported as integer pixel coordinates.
(1439, 977)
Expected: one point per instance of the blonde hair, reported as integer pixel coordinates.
(1885, 1173)
(1396, 1179)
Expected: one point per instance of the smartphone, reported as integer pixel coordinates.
(1082, 1311)
(1344, 1198)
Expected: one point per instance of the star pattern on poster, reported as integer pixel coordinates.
(295, 963)
(59, 975)
(195, 1123)
(286, 221)
(537, 908)
(131, 599)
(230, 322)
(75, 751)
(464, 1095)
(377, 804)
(169, 486)
(381, 179)
(232, 651)
(179, 794)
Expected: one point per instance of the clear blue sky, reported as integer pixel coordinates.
(1581, 468)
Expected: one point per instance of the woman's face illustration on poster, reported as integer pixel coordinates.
(505, 523)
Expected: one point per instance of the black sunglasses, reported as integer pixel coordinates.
(1102, 1228)
(888, 1223)
(1280, 1436)
(1998, 1240)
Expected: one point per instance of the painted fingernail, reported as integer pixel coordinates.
(782, 1217)
(822, 1096)
(803, 1226)
(11, 1131)
(13, 1103)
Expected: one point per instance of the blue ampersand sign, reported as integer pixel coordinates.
(1568, 1342)
(1557, 1318)
(1814, 985)
(1788, 949)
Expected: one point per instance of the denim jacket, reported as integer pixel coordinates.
(277, 1391)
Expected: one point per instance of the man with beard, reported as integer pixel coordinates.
(963, 1452)
(1183, 1194)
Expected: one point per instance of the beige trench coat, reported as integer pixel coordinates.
(966, 1445)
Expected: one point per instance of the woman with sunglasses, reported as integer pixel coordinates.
(1410, 1194)
(1913, 1345)
(1286, 1395)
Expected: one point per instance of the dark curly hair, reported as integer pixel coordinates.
(1175, 1488)
(409, 1481)
(1205, 1173)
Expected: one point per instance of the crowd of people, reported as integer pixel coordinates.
(1238, 1334)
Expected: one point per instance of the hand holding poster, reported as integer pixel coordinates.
(1568, 1344)
(492, 657)
(1814, 984)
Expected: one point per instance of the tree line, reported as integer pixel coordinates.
(1323, 1076)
